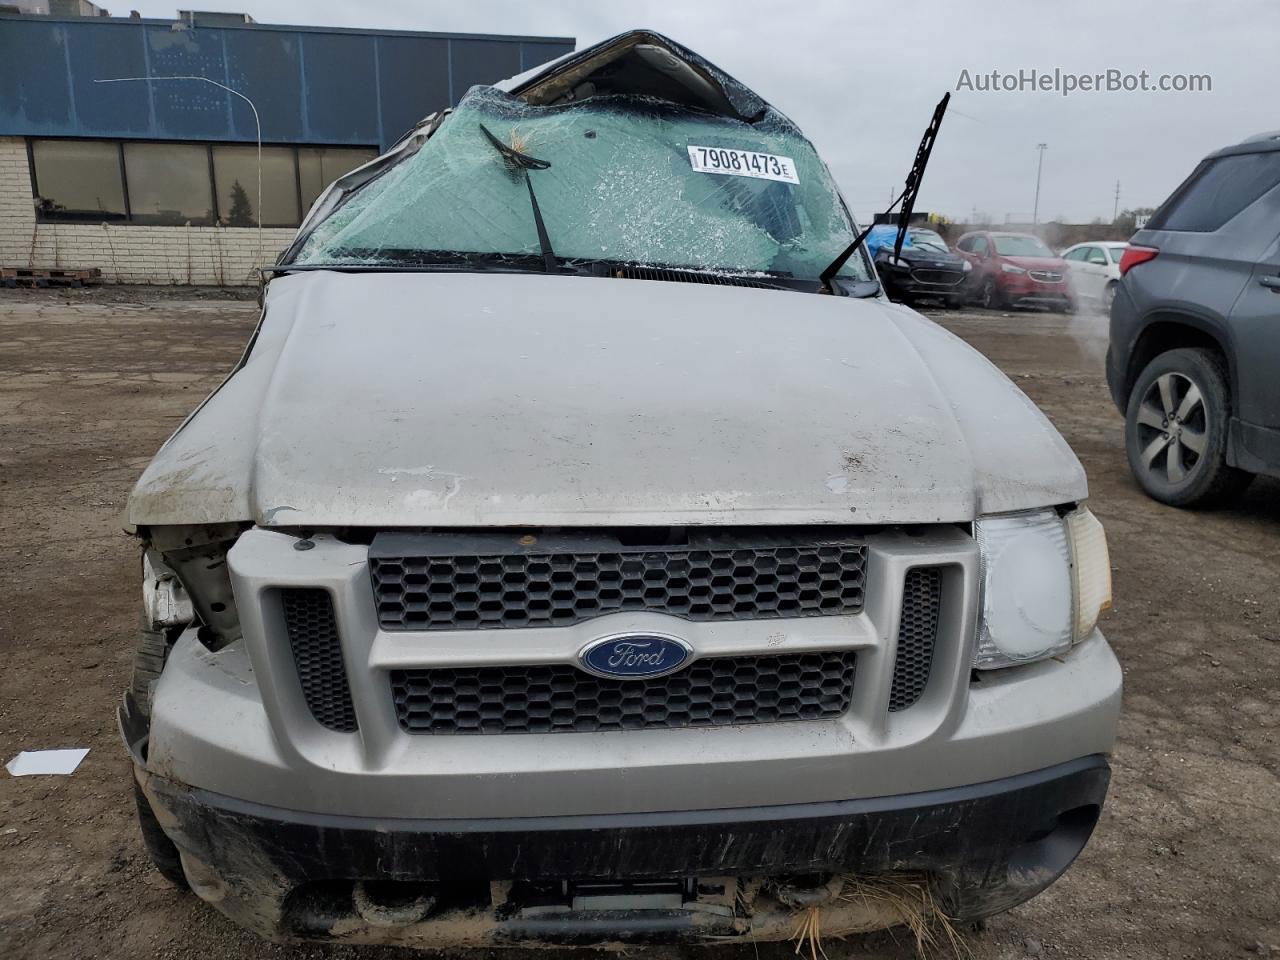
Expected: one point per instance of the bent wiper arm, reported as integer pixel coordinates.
(909, 192)
(524, 162)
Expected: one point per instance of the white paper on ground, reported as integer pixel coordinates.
(30, 762)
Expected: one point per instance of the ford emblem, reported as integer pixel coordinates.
(635, 655)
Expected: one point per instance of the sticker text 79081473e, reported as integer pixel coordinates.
(743, 163)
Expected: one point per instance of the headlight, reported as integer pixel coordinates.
(1045, 581)
(1010, 268)
(897, 262)
(966, 266)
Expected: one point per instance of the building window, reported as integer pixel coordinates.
(235, 172)
(169, 183)
(174, 184)
(320, 166)
(77, 180)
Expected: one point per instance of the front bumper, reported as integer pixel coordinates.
(283, 822)
(1024, 291)
(592, 879)
(234, 721)
(924, 281)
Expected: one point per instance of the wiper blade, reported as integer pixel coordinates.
(909, 193)
(522, 161)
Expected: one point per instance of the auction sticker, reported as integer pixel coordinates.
(743, 163)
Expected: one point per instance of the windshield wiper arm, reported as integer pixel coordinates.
(909, 193)
(524, 162)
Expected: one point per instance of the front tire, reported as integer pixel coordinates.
(990, 295)
(162, 851)
(1176, 430)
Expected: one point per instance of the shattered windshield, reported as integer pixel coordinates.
(631, 180)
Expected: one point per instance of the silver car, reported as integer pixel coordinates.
(566, 562)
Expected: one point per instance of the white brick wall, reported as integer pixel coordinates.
(125, 253)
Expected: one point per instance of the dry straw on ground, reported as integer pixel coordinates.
(909, 897)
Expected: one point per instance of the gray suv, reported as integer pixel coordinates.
(1195, 331)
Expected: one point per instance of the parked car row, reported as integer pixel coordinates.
(1194, 305)
(995, 269)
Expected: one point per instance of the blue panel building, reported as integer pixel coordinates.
(90, 171)
(314, 85)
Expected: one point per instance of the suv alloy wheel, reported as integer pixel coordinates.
(1176, 430)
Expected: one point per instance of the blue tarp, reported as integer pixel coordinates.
(885, 234)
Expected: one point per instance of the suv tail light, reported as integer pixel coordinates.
(1135, 255)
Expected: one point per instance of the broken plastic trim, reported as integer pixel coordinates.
(197, 556)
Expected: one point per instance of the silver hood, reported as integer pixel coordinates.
(467, 399)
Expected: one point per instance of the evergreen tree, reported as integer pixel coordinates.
(241, 214)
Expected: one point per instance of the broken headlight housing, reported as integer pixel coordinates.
(1046, 578)
(186, 575)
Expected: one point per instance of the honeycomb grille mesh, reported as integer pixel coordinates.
(317, 653)
(555, 589)
(917, 633)
(562, 699)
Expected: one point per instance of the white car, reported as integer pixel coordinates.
(1095, 269)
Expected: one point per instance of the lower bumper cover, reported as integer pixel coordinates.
(290, 875)
(1053, 294)
(904, 284)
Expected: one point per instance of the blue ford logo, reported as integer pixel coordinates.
(634, 655)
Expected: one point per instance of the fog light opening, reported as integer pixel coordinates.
(392, 903)
(1048, 851)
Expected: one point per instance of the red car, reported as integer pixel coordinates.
(1015, 269)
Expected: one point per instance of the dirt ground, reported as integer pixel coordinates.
(1186, 859)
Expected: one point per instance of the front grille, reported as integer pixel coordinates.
(562, 699)
(490, 581)
(947, 278)
(917, 634)
(317, 653)
(1046, 276)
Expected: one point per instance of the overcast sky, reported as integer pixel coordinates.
(861, 79)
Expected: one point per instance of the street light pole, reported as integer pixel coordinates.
(1035, 215)
(256, 122)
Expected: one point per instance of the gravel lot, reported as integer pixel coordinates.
(1184, 863)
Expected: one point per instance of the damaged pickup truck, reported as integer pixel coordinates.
(573, 558)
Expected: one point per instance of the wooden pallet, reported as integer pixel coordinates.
(33, 277)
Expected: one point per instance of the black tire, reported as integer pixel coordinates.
(162, 851)
(990, 295)
(1109, 295)
(1176, 430)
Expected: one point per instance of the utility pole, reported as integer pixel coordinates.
(1035, 212)
(1115, 211)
